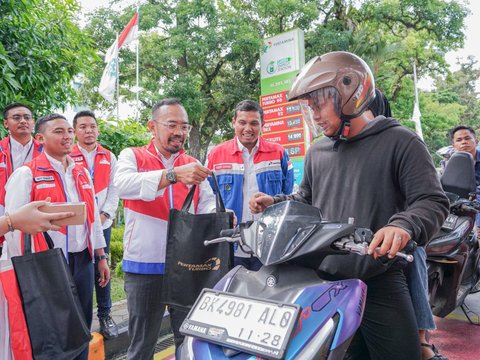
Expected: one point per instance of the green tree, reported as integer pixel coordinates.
(41, 50)
(460, 87)
(118, 136)
(207, 53)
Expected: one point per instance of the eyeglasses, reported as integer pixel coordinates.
(171, 126)
(19, 118)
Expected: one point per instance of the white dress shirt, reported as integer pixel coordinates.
(250, 187)
(109, 204)
(135, 185)
(21, 154)
(19, 188)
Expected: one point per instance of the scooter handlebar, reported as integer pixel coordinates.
(226, 235)
(471, 207)
(362, 249)
(229, 232)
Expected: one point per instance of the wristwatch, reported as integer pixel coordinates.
(171, 176)
(107, 215)
(101, 257)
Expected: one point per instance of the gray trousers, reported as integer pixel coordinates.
(145, 314)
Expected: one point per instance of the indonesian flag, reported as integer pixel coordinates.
(109, 77)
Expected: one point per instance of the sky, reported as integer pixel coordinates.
(472, 45)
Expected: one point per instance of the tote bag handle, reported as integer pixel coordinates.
(218, 197)
(27, 242)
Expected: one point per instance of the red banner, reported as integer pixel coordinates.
(291, 108)
(277, 125)
(285, 138)
(273, 99)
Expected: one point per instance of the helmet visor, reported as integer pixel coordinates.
(307, 113)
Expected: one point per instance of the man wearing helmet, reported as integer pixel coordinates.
(380, 173)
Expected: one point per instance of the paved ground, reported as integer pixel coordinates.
(119, 314)
(456, 337)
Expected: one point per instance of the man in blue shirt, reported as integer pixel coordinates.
(463, 139)
(247, 164)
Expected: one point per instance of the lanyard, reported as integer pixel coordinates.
(26, 156)
(170, 195)
(92, 171)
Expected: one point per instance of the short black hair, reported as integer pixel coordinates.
(11, 106)
(248, 105)
(84, 113)
(319, 96)
(166, 102)
(40, 124)
(380, 105)
(452, 132)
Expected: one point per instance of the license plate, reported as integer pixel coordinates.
(256, 326)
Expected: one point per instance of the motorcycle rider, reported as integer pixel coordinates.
(463, 139)
(378, 172)
(416, 272)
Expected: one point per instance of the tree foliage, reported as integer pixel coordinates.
(207, 53)
(460, 87)
(41, 50)
(118, 136)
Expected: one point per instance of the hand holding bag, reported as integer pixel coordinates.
(55, 320)
(189, 265)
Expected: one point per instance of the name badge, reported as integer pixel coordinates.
(43, 178)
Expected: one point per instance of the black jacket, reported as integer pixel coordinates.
(384, 175)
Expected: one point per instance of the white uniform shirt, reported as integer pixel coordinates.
(19, 188)
(134, 185)
(250, 187)
(21, 154)
(110, 203)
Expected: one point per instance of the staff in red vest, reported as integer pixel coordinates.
(101, 164)
(18, 147)
(53, 174)
(151, 179)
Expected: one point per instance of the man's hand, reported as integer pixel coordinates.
(235, 220)
(391, 239)
(103, 218)
(259, 202)
(192, 174)
(104, 272)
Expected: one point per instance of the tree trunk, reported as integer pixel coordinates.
(194, 143)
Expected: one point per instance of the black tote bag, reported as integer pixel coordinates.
(56, 323)
(189, 265)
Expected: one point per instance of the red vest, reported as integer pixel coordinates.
(101, 166)
(147, 160)
(48, 183)
(6, 168)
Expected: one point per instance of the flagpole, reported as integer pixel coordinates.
(118, 83)
(137, 63)
(416, 107)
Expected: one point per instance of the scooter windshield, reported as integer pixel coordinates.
(281, 230)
